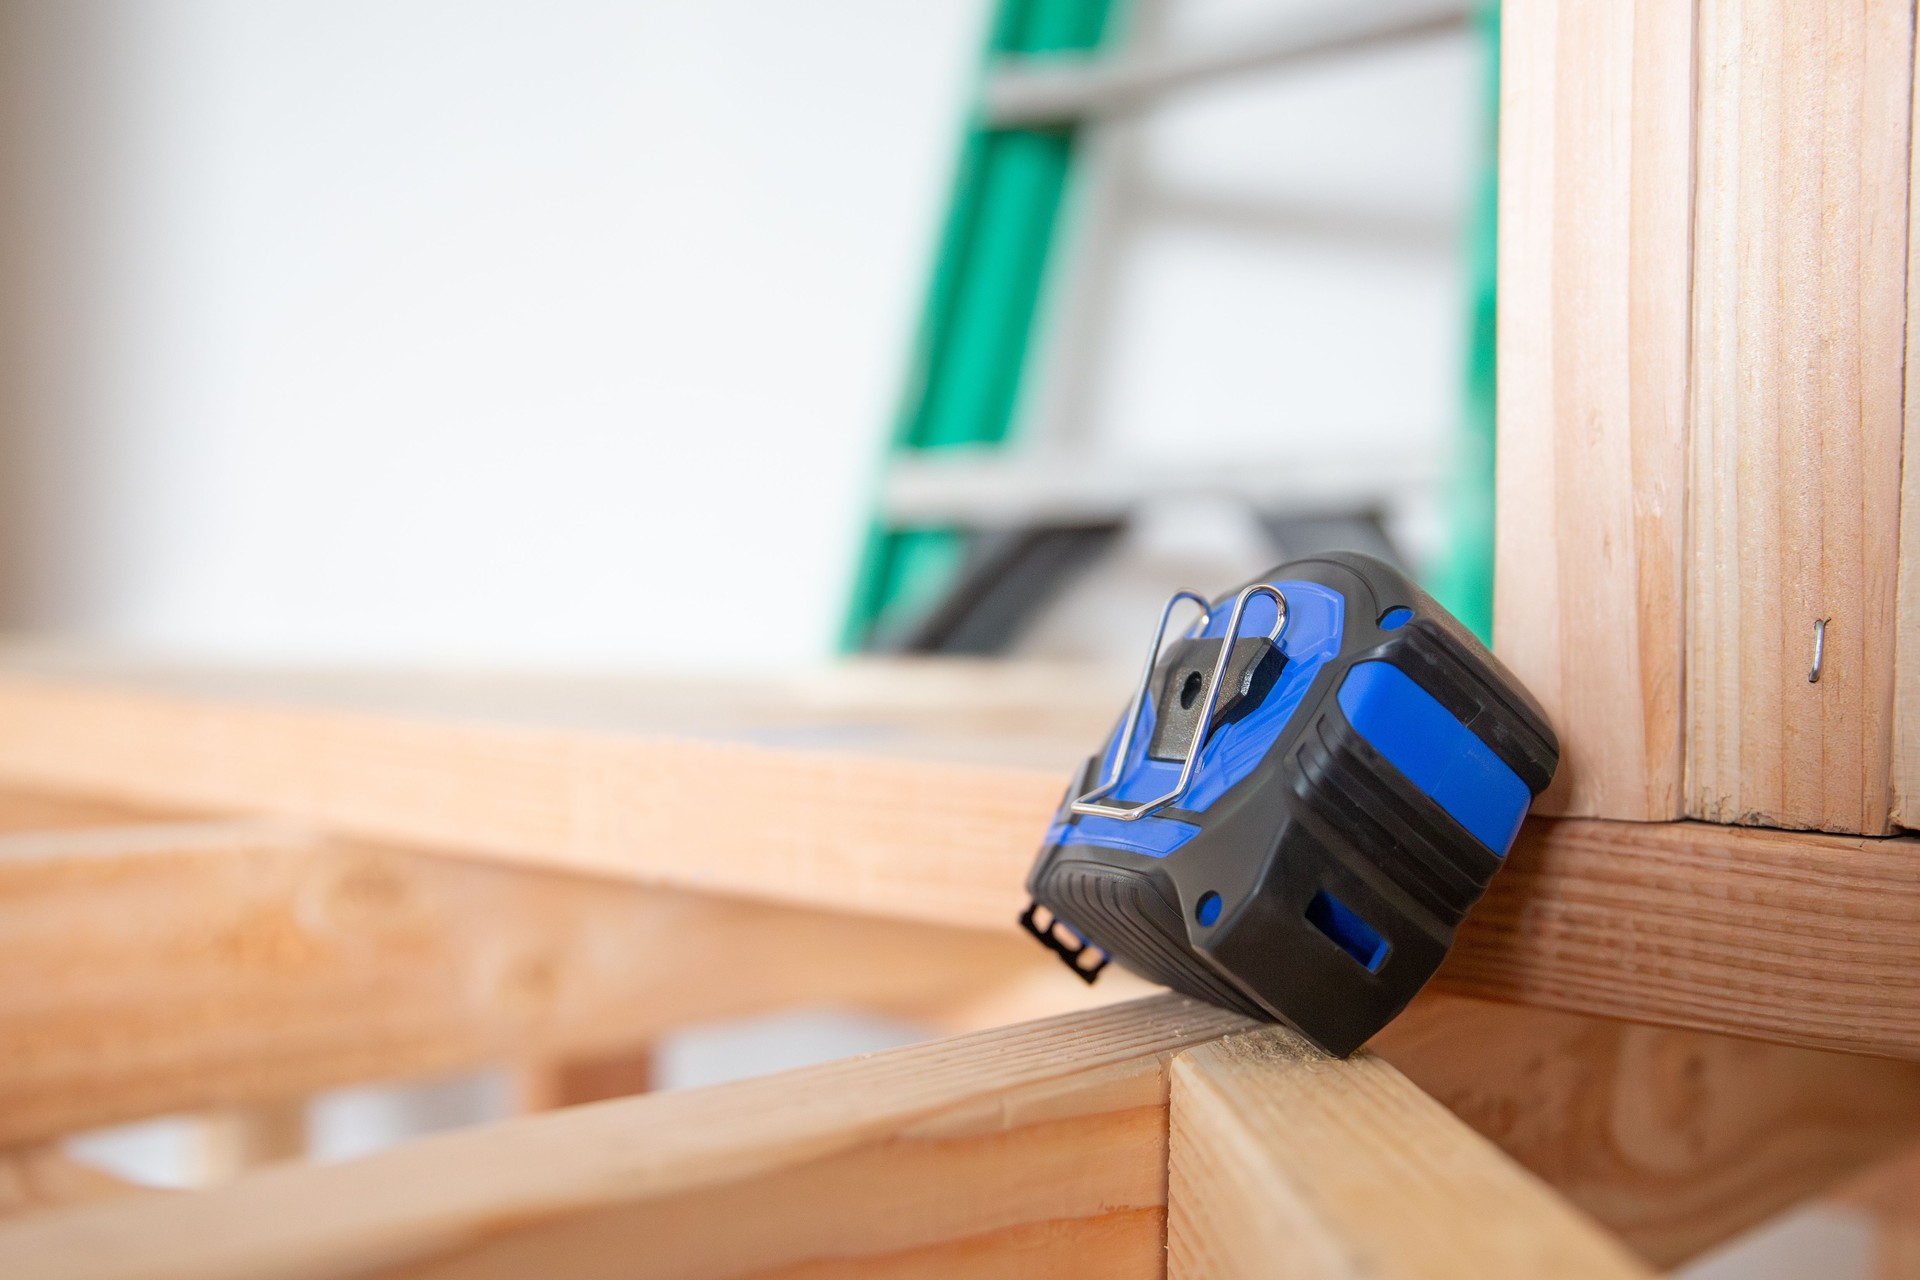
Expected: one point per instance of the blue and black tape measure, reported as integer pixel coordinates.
(1294, 822)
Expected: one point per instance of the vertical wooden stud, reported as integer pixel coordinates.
(570, 1081)
(1283, 1161)
(1594, 275)
(1800, 260)
(237, 1139)
(1906, 659)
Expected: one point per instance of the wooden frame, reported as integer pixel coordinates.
(1806, 941)
(1691, 1000)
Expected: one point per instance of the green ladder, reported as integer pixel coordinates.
(964, 378)
(1002, 231)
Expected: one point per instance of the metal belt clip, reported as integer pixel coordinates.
(1089, 804)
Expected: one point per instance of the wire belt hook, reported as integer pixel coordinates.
(1089, 804)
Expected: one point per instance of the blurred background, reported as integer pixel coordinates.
(512, 334)
(501, 335)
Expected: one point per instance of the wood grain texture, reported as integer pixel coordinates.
(824, 809)
(1676, 1141)
(1906, 656)
(1806, 939)
(1589, 583)
(202, 965)
(1789, 936)
(1798, 345)
(1021, 1151)
(1285, 1161)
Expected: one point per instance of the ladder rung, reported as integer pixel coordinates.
(1059, 89)
(978, 490)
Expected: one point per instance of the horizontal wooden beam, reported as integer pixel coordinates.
(1347, 1170)
(1041, 1146)
(1790, 936)
(760, 793)
(187, 966)
(1608, 1114)
(1674, 1140)
(886, 804)
(44, 812)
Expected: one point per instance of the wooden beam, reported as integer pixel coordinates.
(41, 812)
(1589, 583)
(1674, 1140)
(1038, 1149)
(1800, 260)
(1805, 939)
(1906, 660)
(40, 1177)
(233, 1140)
(1790, 936)
(785, 800)
(1283, 1160)
(575, 1080)
(1610, 1113)
(194, 966)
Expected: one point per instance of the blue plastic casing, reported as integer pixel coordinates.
(1334, 834)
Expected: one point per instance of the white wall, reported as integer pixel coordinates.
(484, 332)
(520, 333)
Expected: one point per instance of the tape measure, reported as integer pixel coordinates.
(1315, 781)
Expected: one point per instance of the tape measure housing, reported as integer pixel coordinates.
(1362, 776)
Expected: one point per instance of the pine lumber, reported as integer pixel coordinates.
(1589, 583)
(1285, 1161)
(1033, 1150)
(42, 1176)
(1607, 1113)
(204, 965)
(572, 1080)
(233, 1140)
(1906, 673)
(1794, 937)
(934, 816)
(895, 804)
(42, 812)
(1610, 1113)
(1800, 268)
(1676, 1141)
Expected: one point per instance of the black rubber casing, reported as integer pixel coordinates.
(1322, 811)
